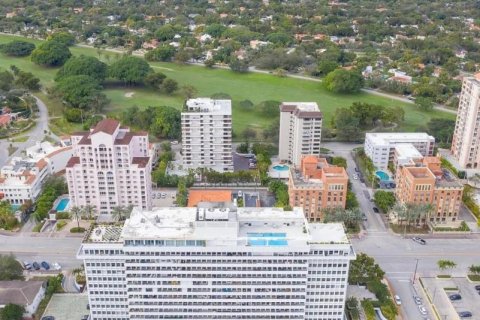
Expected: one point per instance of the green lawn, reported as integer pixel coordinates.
(253, 86)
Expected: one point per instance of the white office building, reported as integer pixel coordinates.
(207, 134)
(466, 137)
(217, 263)
(110, 167)
(300, 131)
(380, 146)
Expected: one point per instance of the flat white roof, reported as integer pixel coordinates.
(387, 137)
(407, 150)
(250, 226)
(209, 105)
(304, 106)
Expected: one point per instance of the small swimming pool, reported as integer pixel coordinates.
(62, 204)
(15, 207)
(267, 239)
(280, 167)
(383, 176)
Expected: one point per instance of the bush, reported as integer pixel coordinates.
(77, 230)
(384, 200)
(51, 53)
(38, 226)
(17, 48)
(61, 224)
(368, 308)
(62, 215)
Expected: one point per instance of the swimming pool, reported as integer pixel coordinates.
(280, 167)
(383, 176)
(62, 204)
(267, 239)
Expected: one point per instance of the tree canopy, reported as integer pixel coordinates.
(51, 53)
(10, 268)
(12, 312)
(364, 269)
(62, 37)
(163, 53)
(343, 81)
(17, 48)
(81, 92)
(83, 65)
(131, 70)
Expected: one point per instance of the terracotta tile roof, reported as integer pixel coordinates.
(4, 119)
(50, 155)
(30, 179)
(196, 196)
(72, 162)
(125, 139)
(41, 164)
(141, 161)
(80, 133)
(106, 125)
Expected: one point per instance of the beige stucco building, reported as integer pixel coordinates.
(466, 138)
(300, 131)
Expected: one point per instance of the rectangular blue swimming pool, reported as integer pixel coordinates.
(267, 239)
(62, 204)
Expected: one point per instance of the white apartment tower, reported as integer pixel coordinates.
(300, 131)
(466, 137)
(217, 263)
(110, 167)
(207, 134)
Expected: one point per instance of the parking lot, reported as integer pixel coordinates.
(164, 197)
(440, 297)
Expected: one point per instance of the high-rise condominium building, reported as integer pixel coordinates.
(110, 167)
(212, 263)
(466, 137)
(425, 182)
(300, 131)
(207, 134)
(316, 185)
(380, 146)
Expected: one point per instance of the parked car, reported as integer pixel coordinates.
(355, 177)
(56, 266)
(465, 314)
(477, 287)
(397, 299)
(174, 142)
(455, 297)
(163, 195)
(375, 209)
(362, 180)
(418, 300)
(27, 265)
(422, 309)
(36, 266)
(45, 265)
(240, 194)
(48, 318)
(85, 317)
(419, 240)
(364, 217)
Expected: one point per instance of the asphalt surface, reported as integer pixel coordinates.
(398, 256)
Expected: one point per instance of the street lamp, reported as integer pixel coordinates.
(415, 272)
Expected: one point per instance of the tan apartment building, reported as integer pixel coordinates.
(466, 137)
(317, 185)
(300, 131)
(426, 182)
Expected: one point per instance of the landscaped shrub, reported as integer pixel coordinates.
(77, 230)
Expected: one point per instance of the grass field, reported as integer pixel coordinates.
(252, 86)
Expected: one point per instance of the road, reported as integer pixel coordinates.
(398, 256)
(36, 134)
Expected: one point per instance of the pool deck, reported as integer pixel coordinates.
(278, 174)
(57, 202)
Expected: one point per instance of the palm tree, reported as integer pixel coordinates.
(89, 211)
(118, 213)
(400, 210)
(76, 212)
(446, 264)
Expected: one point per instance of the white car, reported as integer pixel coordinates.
(56, 266)
(174, 142)
(355, 177)
(422, 310)
(397, 300)
(163, 195)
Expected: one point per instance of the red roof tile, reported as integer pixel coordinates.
(106, 125)
(72, 162)
(141, 161)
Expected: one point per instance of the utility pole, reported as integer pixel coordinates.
(415, 272)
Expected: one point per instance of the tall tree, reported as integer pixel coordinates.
(12, 312)
(131, 70)
(83, 65)
(51, 53)
(343, 81)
